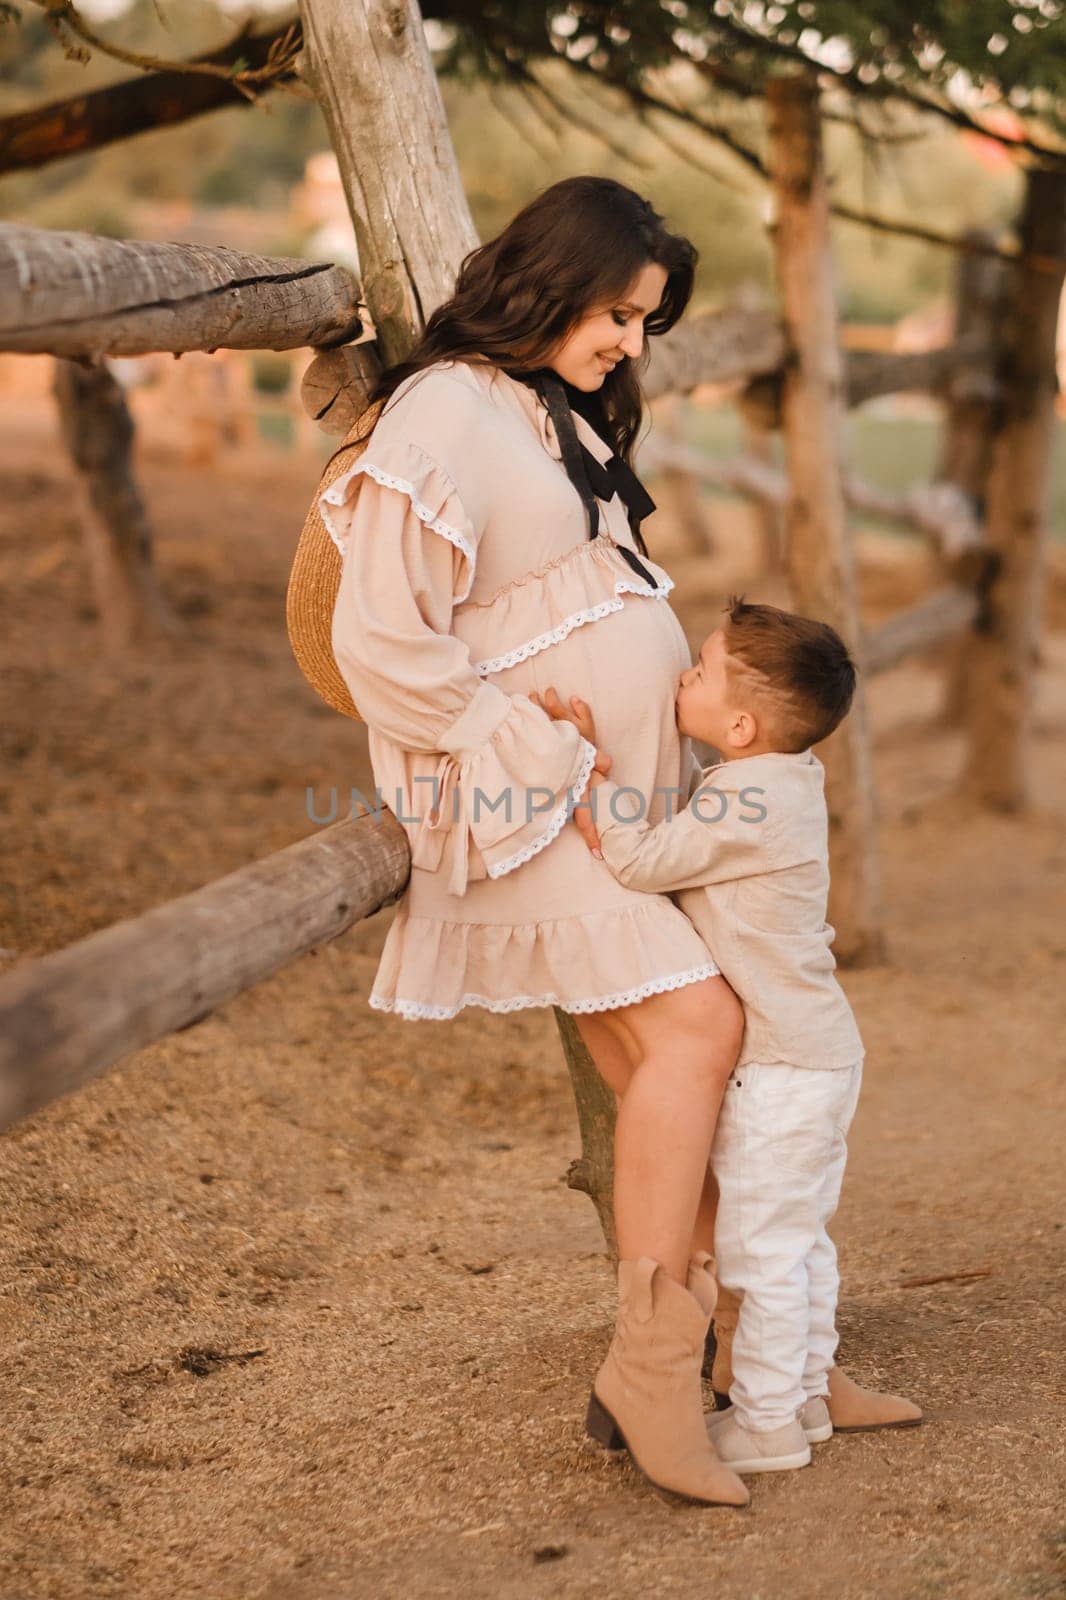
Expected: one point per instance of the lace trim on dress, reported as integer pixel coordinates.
(660, 591)
(533, 647)
(557, 823)
(335, 496)
(543, 641)
(414, 1011)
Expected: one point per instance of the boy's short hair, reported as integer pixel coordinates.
(805, 663)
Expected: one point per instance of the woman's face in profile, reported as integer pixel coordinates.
(602, 337)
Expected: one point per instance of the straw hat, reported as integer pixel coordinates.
(315, 578)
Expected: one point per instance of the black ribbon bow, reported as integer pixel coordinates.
(591, 478)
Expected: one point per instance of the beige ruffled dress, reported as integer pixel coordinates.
(469, 581)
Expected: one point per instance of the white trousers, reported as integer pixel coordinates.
(778, 1156)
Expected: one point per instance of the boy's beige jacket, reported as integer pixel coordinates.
(748, 860)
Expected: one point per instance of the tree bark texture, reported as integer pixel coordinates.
(593, 1171)
(733, 343)
(939, 616)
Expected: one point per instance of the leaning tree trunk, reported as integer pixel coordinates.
(819, 556)
(375, 82)
(593, 1171)
(1003, 654)
(98, 432)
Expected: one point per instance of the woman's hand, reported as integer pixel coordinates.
(579, 712)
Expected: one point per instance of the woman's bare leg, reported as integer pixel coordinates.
(682, 1046)
(614, 1053)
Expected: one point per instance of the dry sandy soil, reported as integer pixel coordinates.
(296, 1305)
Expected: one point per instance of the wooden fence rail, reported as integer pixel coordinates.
(67, 1016)
(940, 616)
(941, 511)
(83, 297)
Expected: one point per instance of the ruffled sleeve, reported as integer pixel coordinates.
(509, 776)
(432, 497)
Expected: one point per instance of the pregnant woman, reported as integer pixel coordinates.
(490, 543)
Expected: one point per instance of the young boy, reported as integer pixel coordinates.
(748, 859)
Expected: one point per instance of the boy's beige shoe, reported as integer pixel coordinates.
(815, 1420)
(646, 1397)
(779, 1450)
(857, 1410)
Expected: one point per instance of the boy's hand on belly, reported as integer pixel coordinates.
(580, 714)
(583, 810)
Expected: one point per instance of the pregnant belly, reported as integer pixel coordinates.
(626, 666)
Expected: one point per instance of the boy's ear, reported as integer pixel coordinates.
(743, 730)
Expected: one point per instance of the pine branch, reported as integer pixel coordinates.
(643, 98)
(849, 76)
(249, 81)
(121, 110)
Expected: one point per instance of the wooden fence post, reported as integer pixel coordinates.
(1003, 653)
(819, 556)
(375, 81)
(98, 432)
(981, 283)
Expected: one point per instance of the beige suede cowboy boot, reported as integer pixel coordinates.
(852, 1409)
(646, 1397)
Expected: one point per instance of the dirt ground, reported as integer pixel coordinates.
(296, 1304)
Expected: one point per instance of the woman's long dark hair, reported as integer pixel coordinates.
(575, 248)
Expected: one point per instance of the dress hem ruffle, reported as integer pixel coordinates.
(593, 960)
(415, 1011)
